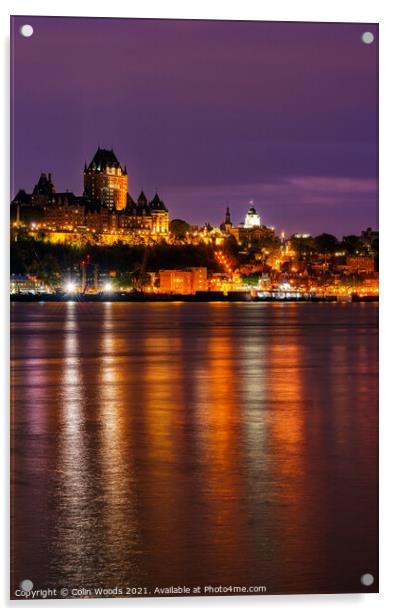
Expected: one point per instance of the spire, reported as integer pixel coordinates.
(157, 203)
(142, 200)
(44, 185)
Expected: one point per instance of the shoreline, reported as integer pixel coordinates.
(204, 297)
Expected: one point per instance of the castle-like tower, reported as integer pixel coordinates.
(105, 181)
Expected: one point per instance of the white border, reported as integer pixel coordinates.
(371, 11)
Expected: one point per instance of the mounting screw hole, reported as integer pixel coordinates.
(367, 579)
(26, 30)
(26, 585)
(367, 38)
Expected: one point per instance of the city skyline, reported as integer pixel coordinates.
(296, 133)
(105, 215)
(216, 223)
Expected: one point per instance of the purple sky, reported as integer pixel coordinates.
(208, 113)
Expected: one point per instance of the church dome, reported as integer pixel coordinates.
(252, 219)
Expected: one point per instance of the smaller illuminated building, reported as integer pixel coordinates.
(252, 219)
(26, 285)
(360, 264)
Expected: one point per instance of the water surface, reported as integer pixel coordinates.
(169, 443)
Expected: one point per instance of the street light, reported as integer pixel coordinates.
(70, 287)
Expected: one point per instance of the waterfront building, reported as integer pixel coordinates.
(183, 282)
(26, 284)
(199, 279)
(175, 281)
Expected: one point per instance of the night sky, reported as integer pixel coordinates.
(211, 114)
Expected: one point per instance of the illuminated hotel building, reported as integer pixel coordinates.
(106, 181)
(105, 208)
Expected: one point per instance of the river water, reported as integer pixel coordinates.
(159, 444)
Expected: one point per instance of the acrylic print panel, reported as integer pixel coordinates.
(194, 285)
